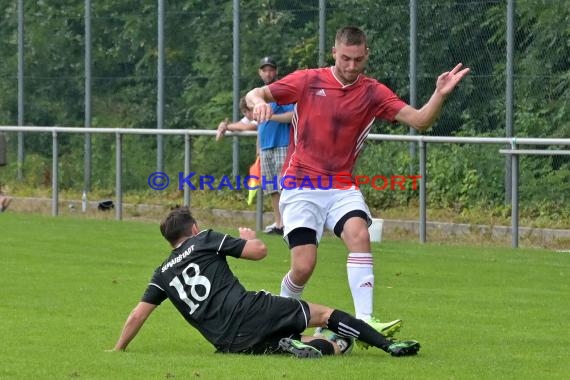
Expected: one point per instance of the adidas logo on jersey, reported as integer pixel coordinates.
(321, 92)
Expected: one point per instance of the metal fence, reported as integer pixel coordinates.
(416, 27)
(63, 71)
(513, 153)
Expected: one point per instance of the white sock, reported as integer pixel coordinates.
(359, 267)
(289, 288)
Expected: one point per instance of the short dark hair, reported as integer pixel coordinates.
(178, 223)
(350, 35)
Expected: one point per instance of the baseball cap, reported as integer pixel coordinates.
(267, 61)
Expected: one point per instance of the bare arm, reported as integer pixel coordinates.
(254, 248)
(238, 126)
(257, 100)
(133, 324)
(284, 117)
(424, 118)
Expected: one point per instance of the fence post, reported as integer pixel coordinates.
(413, 72)
(20, 88)
(187, 144)
(423, 180)
(235, 85)
(3, 149)
(118, 178)
(87, 100)
(514, 198)
(509, 94)
(160, 88)
(322, 31)
(54, 175)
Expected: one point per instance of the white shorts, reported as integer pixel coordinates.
(318, 209)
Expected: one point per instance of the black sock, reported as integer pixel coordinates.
(346, 325)
(325, 346)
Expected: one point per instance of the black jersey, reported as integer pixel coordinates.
(198, 281)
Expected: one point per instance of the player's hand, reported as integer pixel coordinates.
(447, 81)
(246, 233)
(262, 112)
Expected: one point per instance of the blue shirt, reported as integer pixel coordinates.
(273, 134)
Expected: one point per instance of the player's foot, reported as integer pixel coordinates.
(299, 349)
(345, 344)
(269, 227)
(272, 229)
(387, 329)
(404, 348)
(275, 231)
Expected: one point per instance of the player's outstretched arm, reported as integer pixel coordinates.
(424, 118)
(133, 324)
(254, 248)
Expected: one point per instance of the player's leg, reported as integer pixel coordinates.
(303, 219)
(353, 229)
(309, 347)
(359, 268)
(325, 345)
(346, 325)
(349, 218)
(275, 326)
(304, 346)
(344, 344)
(303, 244)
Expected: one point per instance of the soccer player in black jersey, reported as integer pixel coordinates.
(196, 278)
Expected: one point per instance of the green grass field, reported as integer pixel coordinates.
(480, 312)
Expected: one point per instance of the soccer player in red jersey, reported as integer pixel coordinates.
(335, 109)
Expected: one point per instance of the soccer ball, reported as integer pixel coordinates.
(344, 343)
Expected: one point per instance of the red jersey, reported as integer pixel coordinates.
(330, 121)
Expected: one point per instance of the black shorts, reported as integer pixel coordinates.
(269, 319)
